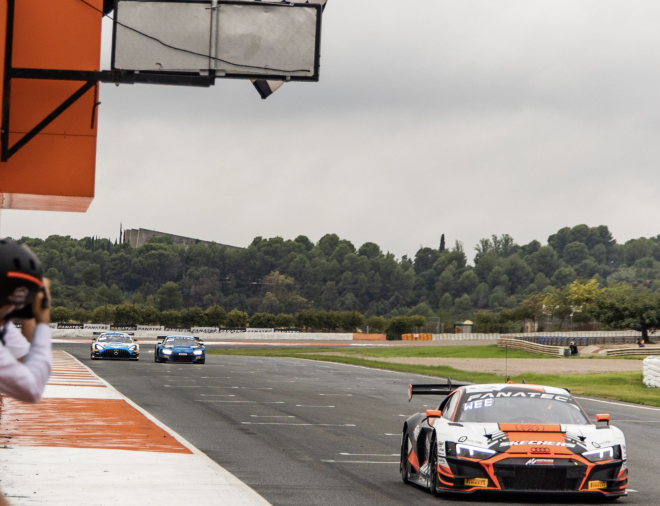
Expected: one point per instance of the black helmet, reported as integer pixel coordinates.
(20, 274)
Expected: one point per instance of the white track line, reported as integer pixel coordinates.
(370, 454)
(302, 424)
(61, 476)
(617, 403)
(357, 462)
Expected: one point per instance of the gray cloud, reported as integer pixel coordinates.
(464, 118)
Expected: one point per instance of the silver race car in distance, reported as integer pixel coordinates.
(115, 346)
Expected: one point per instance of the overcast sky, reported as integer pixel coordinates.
(466, 118)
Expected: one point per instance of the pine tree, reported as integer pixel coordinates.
(442, 242)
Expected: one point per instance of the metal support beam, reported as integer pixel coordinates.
(6, 155)
(114, 76)
(88, 77)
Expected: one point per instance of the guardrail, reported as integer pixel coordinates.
(622, 352)
(652, 372)
(517, 344)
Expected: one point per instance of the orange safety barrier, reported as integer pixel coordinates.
(369, 337)
(417, 337)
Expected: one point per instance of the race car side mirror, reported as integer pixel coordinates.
(603, 418)
(431, 413)
(160, 342)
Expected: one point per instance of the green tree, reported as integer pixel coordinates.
(192, 317)
(350, 321)
(92, 275)
(620, 307)
(170, 318)
(81, 315)
(170, 296)
(60, 315)
(262, 321)
(285, 321)
(150, 315)
(127, 314)
(237, 319)
(377, 324)
(399, 325)
(103, 314)
(307, 319)
(114, 295)
(216, 316)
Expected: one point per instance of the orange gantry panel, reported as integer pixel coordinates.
(56, 169)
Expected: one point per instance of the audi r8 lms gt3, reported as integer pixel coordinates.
(116, 346)
(511, 437)
(180, 349)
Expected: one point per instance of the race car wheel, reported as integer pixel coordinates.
(433, 469)
(405, 465)
(156, 357)
(201, 361)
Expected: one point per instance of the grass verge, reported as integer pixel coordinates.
(621, 386)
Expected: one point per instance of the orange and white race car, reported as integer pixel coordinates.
(514, 438)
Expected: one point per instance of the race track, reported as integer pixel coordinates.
(312, 433)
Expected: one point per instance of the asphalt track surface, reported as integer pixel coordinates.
(307, 433)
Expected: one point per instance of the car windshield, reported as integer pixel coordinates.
(181, 341)
(115, 339)
(519, 406)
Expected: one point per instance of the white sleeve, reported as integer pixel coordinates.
(15, 342)
(26, 381)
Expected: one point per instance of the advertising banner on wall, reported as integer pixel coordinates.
(96, 326)
(70, 326)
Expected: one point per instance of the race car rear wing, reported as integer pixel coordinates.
(433, 389)
(101, 333)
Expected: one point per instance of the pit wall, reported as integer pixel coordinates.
(652, 372)
(240, 336)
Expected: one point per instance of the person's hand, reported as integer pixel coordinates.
(41, 314)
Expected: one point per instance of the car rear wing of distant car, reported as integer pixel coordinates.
(196, 338)
(433, 388)
(101, 333)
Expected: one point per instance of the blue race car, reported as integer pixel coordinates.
(115, 346)
(180, 349)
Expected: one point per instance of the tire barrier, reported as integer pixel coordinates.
(631, 352)
(417, 337)
(652, 372)
(517, 344)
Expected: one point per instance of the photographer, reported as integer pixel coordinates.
(23, 294)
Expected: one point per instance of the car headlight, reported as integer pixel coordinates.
(98, 347)
(198, 352)
(473, 452)
(609, 453)
(132, 348)
(167, 352)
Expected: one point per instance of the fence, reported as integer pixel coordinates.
(652, 372)
(517, 344)
(583, 338)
